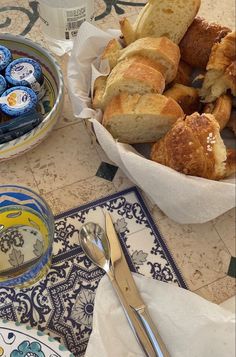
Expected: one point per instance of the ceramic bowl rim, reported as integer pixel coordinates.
(47, 53)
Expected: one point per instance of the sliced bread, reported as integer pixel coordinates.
(162, 51)
(134, 75)
(112, 52)
(135, 118)
(169, 18)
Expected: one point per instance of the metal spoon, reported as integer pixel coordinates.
(96, 246)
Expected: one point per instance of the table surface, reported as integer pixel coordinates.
(69, 169)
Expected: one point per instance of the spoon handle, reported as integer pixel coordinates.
(138, 326)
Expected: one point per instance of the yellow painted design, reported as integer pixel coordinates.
(26, 218)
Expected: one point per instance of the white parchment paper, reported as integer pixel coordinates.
(185, 199)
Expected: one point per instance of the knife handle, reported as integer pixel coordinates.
(151, 330)
(139, 326)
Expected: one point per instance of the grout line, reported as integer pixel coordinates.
(212, 282)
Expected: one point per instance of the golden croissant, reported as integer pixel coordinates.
(194, 147)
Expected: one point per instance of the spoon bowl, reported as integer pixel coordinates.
(95, 245)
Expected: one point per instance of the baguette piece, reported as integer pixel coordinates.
(112, 52)
(134, 75)
(194, 147)
(221, 109)
(186, 97)
(196, 45)
(127, 31)
(162, 51)
(221, 69)
(184, 74)
(98, 91)
(166, 18)
(135, 118)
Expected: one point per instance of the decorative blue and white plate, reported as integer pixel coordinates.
(17, 340)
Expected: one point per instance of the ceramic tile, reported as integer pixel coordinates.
(226, 228)
(78, 194)
(198, 250)
(219, 290)
(17, 171)
(64, 158)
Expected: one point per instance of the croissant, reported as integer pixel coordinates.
(194, 147)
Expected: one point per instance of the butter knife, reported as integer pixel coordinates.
(135, 308)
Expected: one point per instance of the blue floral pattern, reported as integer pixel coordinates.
(62, 303)
(27, 349)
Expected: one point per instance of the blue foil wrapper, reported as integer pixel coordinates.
(18, 101)
(5, 57)
(3, 84)
(26, 72)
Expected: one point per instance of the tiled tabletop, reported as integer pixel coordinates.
(69, 169)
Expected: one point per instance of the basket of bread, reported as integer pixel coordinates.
(160, 96)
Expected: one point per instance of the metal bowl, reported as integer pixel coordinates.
(50, 106)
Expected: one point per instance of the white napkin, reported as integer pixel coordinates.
(189, 325)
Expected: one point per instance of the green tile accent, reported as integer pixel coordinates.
(232, 267)
(106, 171)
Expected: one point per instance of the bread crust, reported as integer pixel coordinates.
(186, 97)
(165, 18)
(162, 51)
(127, 31)
(112, 52)
(98, 91)
(133, 75)
(221, 109)
(184, 74)
(194, 147)
(133, 108)
(196, 45)
(232, 122)
(221, 69)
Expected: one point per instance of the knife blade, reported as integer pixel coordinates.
(135, 308)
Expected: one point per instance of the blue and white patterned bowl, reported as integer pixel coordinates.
(50, 106)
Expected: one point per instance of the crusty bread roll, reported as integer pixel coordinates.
(186, 97)
(232, 122)
(98, 91)
(162, 51)
(196, 45)
(184, 74)
(221, 69)
(162, 18)
(112, 52)
(194, 147)
(135, 118)
(221, 109)
(134, 75)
